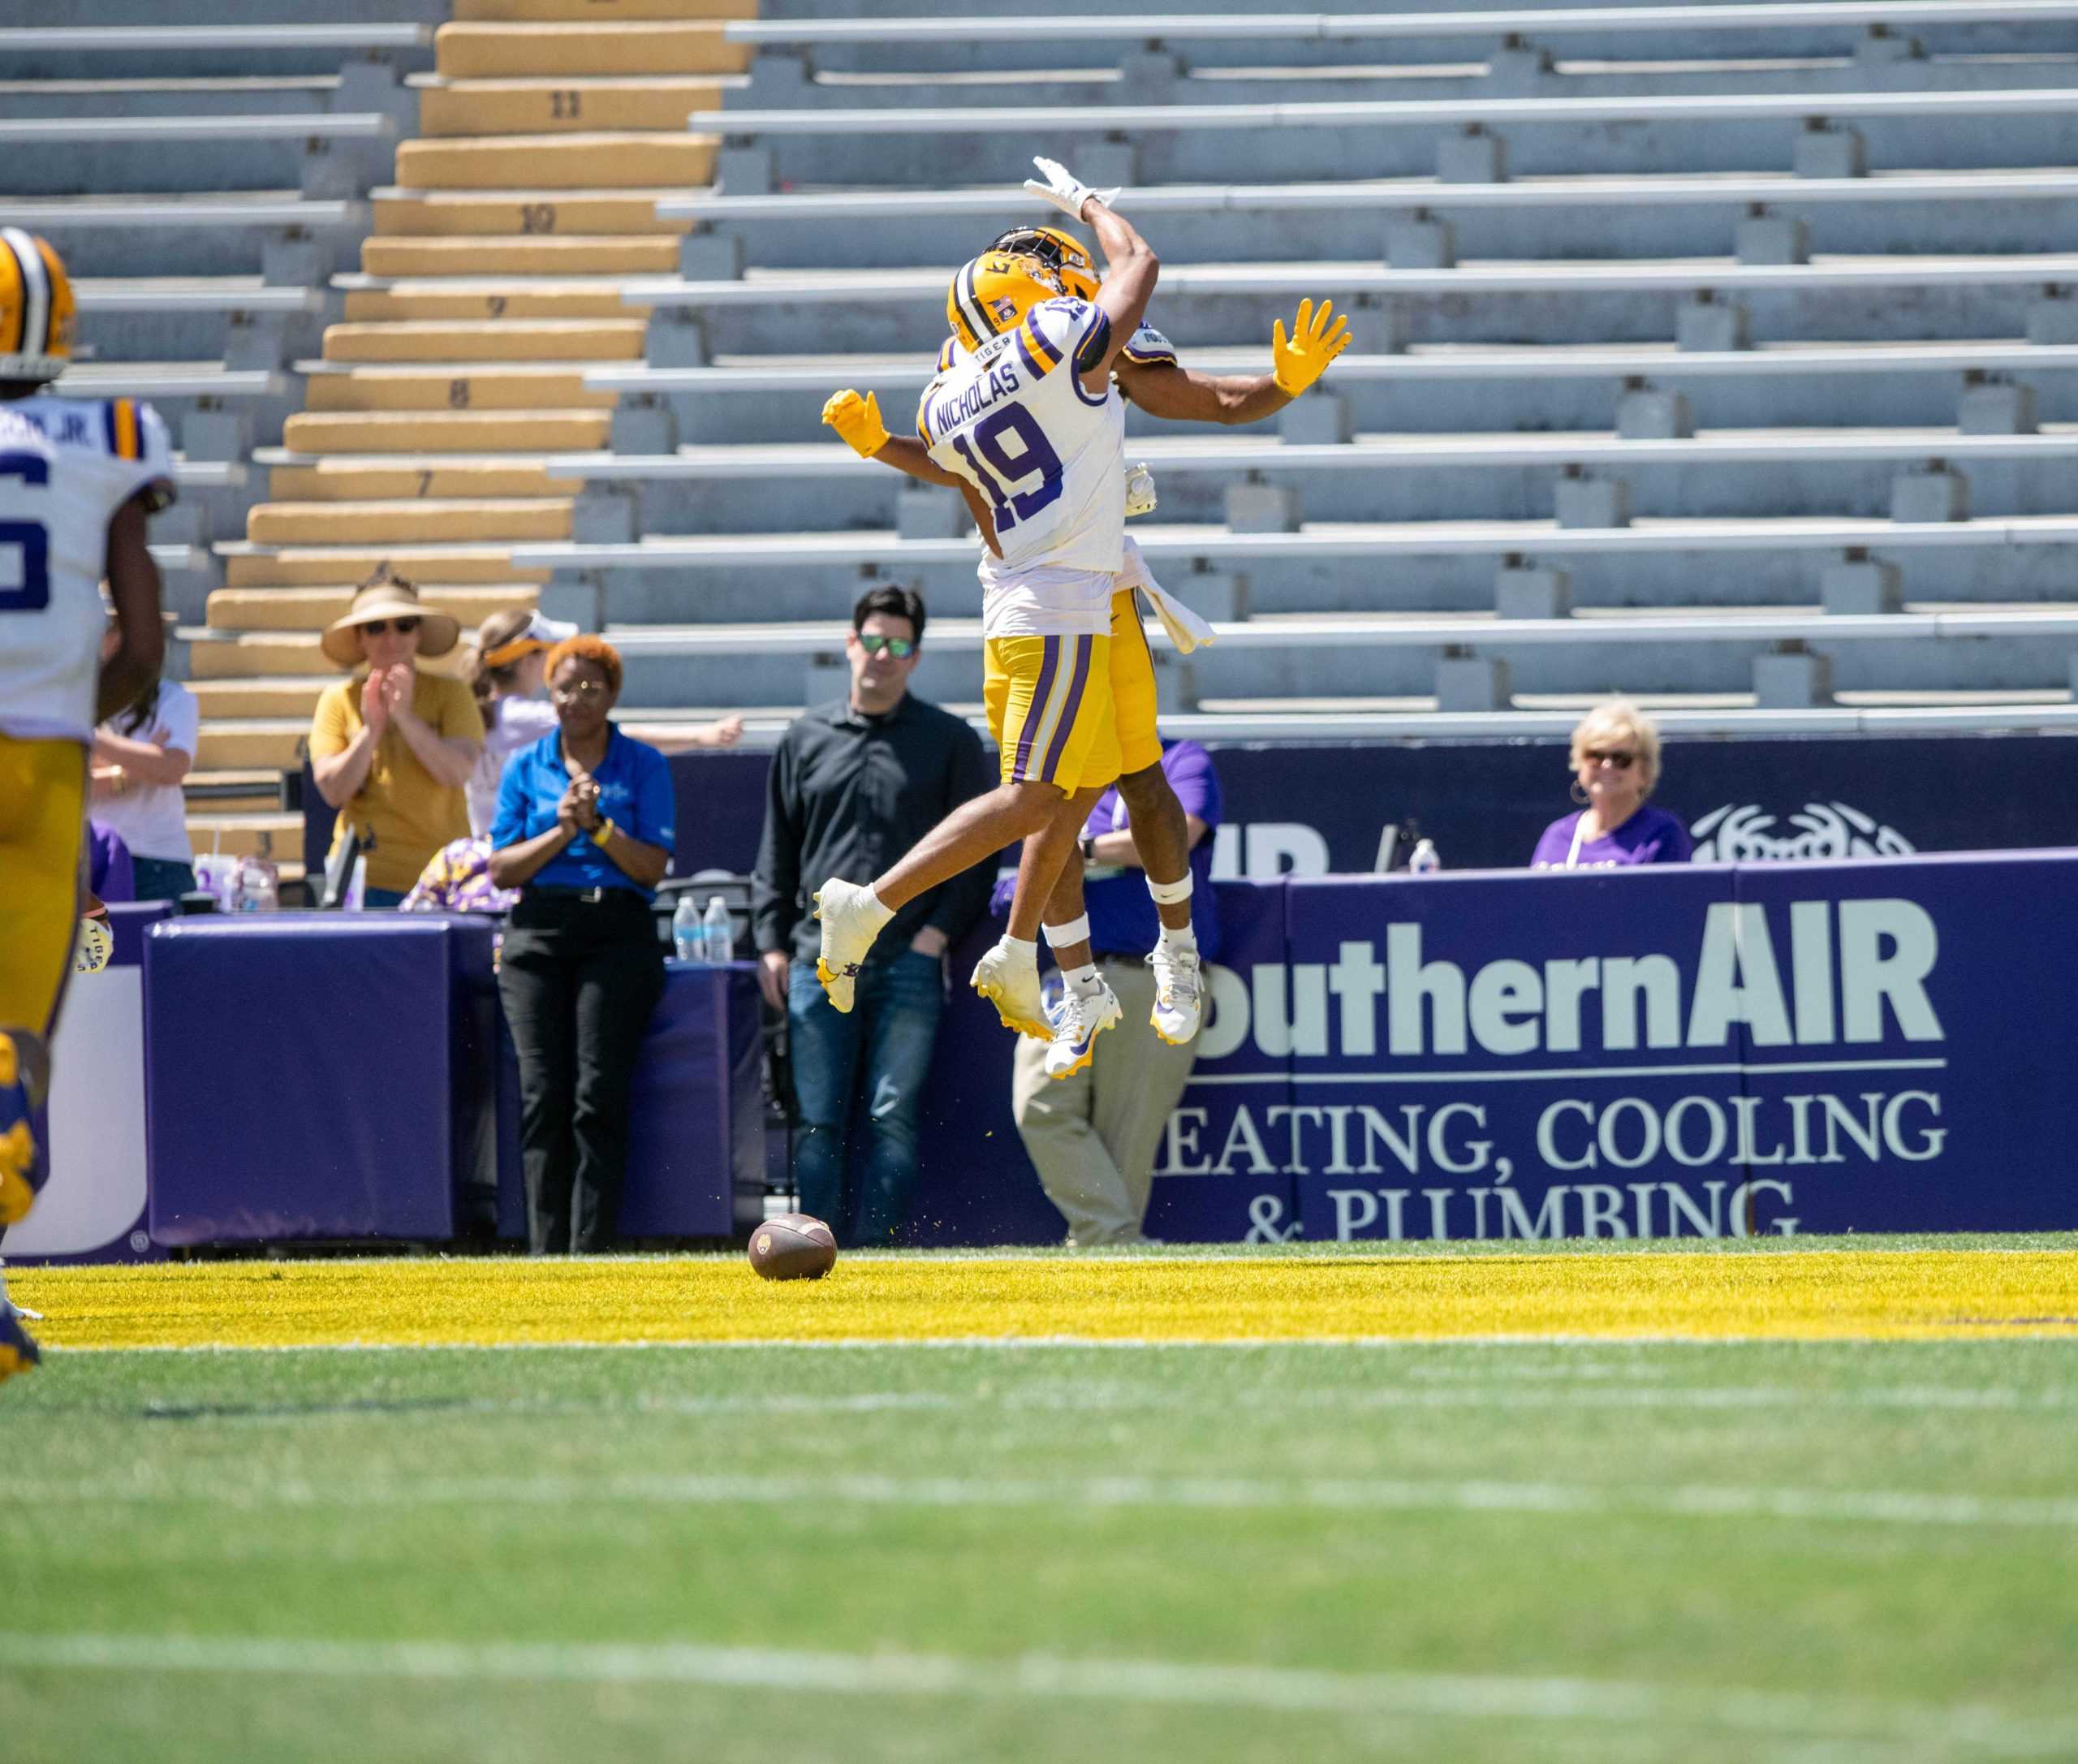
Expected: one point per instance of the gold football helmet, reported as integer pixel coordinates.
(990, 294)
(36, 309)
(1062, 252)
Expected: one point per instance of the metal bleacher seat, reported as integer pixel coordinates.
(1827, 18)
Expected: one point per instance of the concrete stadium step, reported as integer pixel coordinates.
(619, 339)
(246, 744)
(506, 302)
(293, 479)
(277, 835)
(247, 565)
(481, 51)
(225, 701)
(262, 654)
(451, 386)
(583, 162)
(541, 431)
(560, 106)
(481, 254)
(598, 12)
(312, 609)
(407, 523)
(534, 213)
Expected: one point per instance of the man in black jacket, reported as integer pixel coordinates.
(853, 785)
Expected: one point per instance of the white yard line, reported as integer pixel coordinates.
(1608, 1702)
(1880, 1507)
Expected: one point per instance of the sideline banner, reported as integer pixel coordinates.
(1700, 1051)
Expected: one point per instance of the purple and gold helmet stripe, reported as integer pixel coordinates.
(32, 330)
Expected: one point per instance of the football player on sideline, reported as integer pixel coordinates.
(1029, 419)
(78, 478)
(1149, 374)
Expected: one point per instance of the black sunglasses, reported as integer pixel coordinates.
(403, 627)
(873, 644)
(1622, 762)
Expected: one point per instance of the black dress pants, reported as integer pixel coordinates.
(579, 977)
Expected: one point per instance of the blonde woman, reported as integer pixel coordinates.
(1615, 759)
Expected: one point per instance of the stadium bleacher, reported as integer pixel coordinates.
(1720, 353)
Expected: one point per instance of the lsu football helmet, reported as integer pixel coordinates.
(1062, 252)
(1024, 267)
(36, 309)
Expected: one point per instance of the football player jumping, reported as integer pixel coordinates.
(1147, 372)
(1029, 421)
(78, 478)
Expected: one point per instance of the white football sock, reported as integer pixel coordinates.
(1085, 982)
(1026, 953)
(1180, 943)
(877, 914)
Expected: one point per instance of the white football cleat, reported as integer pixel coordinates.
(1077, 1022)
(1011, 985)
(848, 932)
(1178, 994)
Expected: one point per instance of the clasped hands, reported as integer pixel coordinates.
(578, 812)
(386, 693)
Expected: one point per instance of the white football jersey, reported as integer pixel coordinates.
(67, 465)
(1013, 420)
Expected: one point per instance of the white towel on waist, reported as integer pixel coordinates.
(1185, 628)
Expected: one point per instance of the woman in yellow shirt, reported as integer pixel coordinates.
(392, 747)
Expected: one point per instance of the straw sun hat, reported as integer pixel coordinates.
(438, 632)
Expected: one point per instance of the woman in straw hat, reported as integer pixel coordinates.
(392, 748)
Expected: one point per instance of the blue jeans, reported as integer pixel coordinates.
(160, 878)
(876, 1059)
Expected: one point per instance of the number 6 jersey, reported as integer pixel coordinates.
(67, 465)
(1013, 420)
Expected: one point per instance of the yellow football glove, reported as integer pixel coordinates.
(1297, 363)
(857, 419)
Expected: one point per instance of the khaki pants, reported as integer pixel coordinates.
(1094, 1136)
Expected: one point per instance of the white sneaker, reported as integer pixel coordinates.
(1178, 994)
(848, 931)
(1077, 1023)
(1012, 985)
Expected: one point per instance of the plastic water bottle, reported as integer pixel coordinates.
(1423, 861)
(719, 933)
(688, 936)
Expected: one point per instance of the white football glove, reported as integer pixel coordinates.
(1064, 190)
(1139, 491)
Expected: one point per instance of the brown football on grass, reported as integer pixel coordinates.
(793, 1247)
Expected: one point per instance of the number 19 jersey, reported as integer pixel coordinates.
(1013, 419)
(67, 465)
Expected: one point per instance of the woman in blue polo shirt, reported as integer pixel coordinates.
(585, 831)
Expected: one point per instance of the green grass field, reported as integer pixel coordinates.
(1797, 1551)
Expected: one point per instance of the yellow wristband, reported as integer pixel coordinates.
(607, 830)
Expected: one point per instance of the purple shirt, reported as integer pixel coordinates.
(110, 874)
(1650, 836)
(1122, 921)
